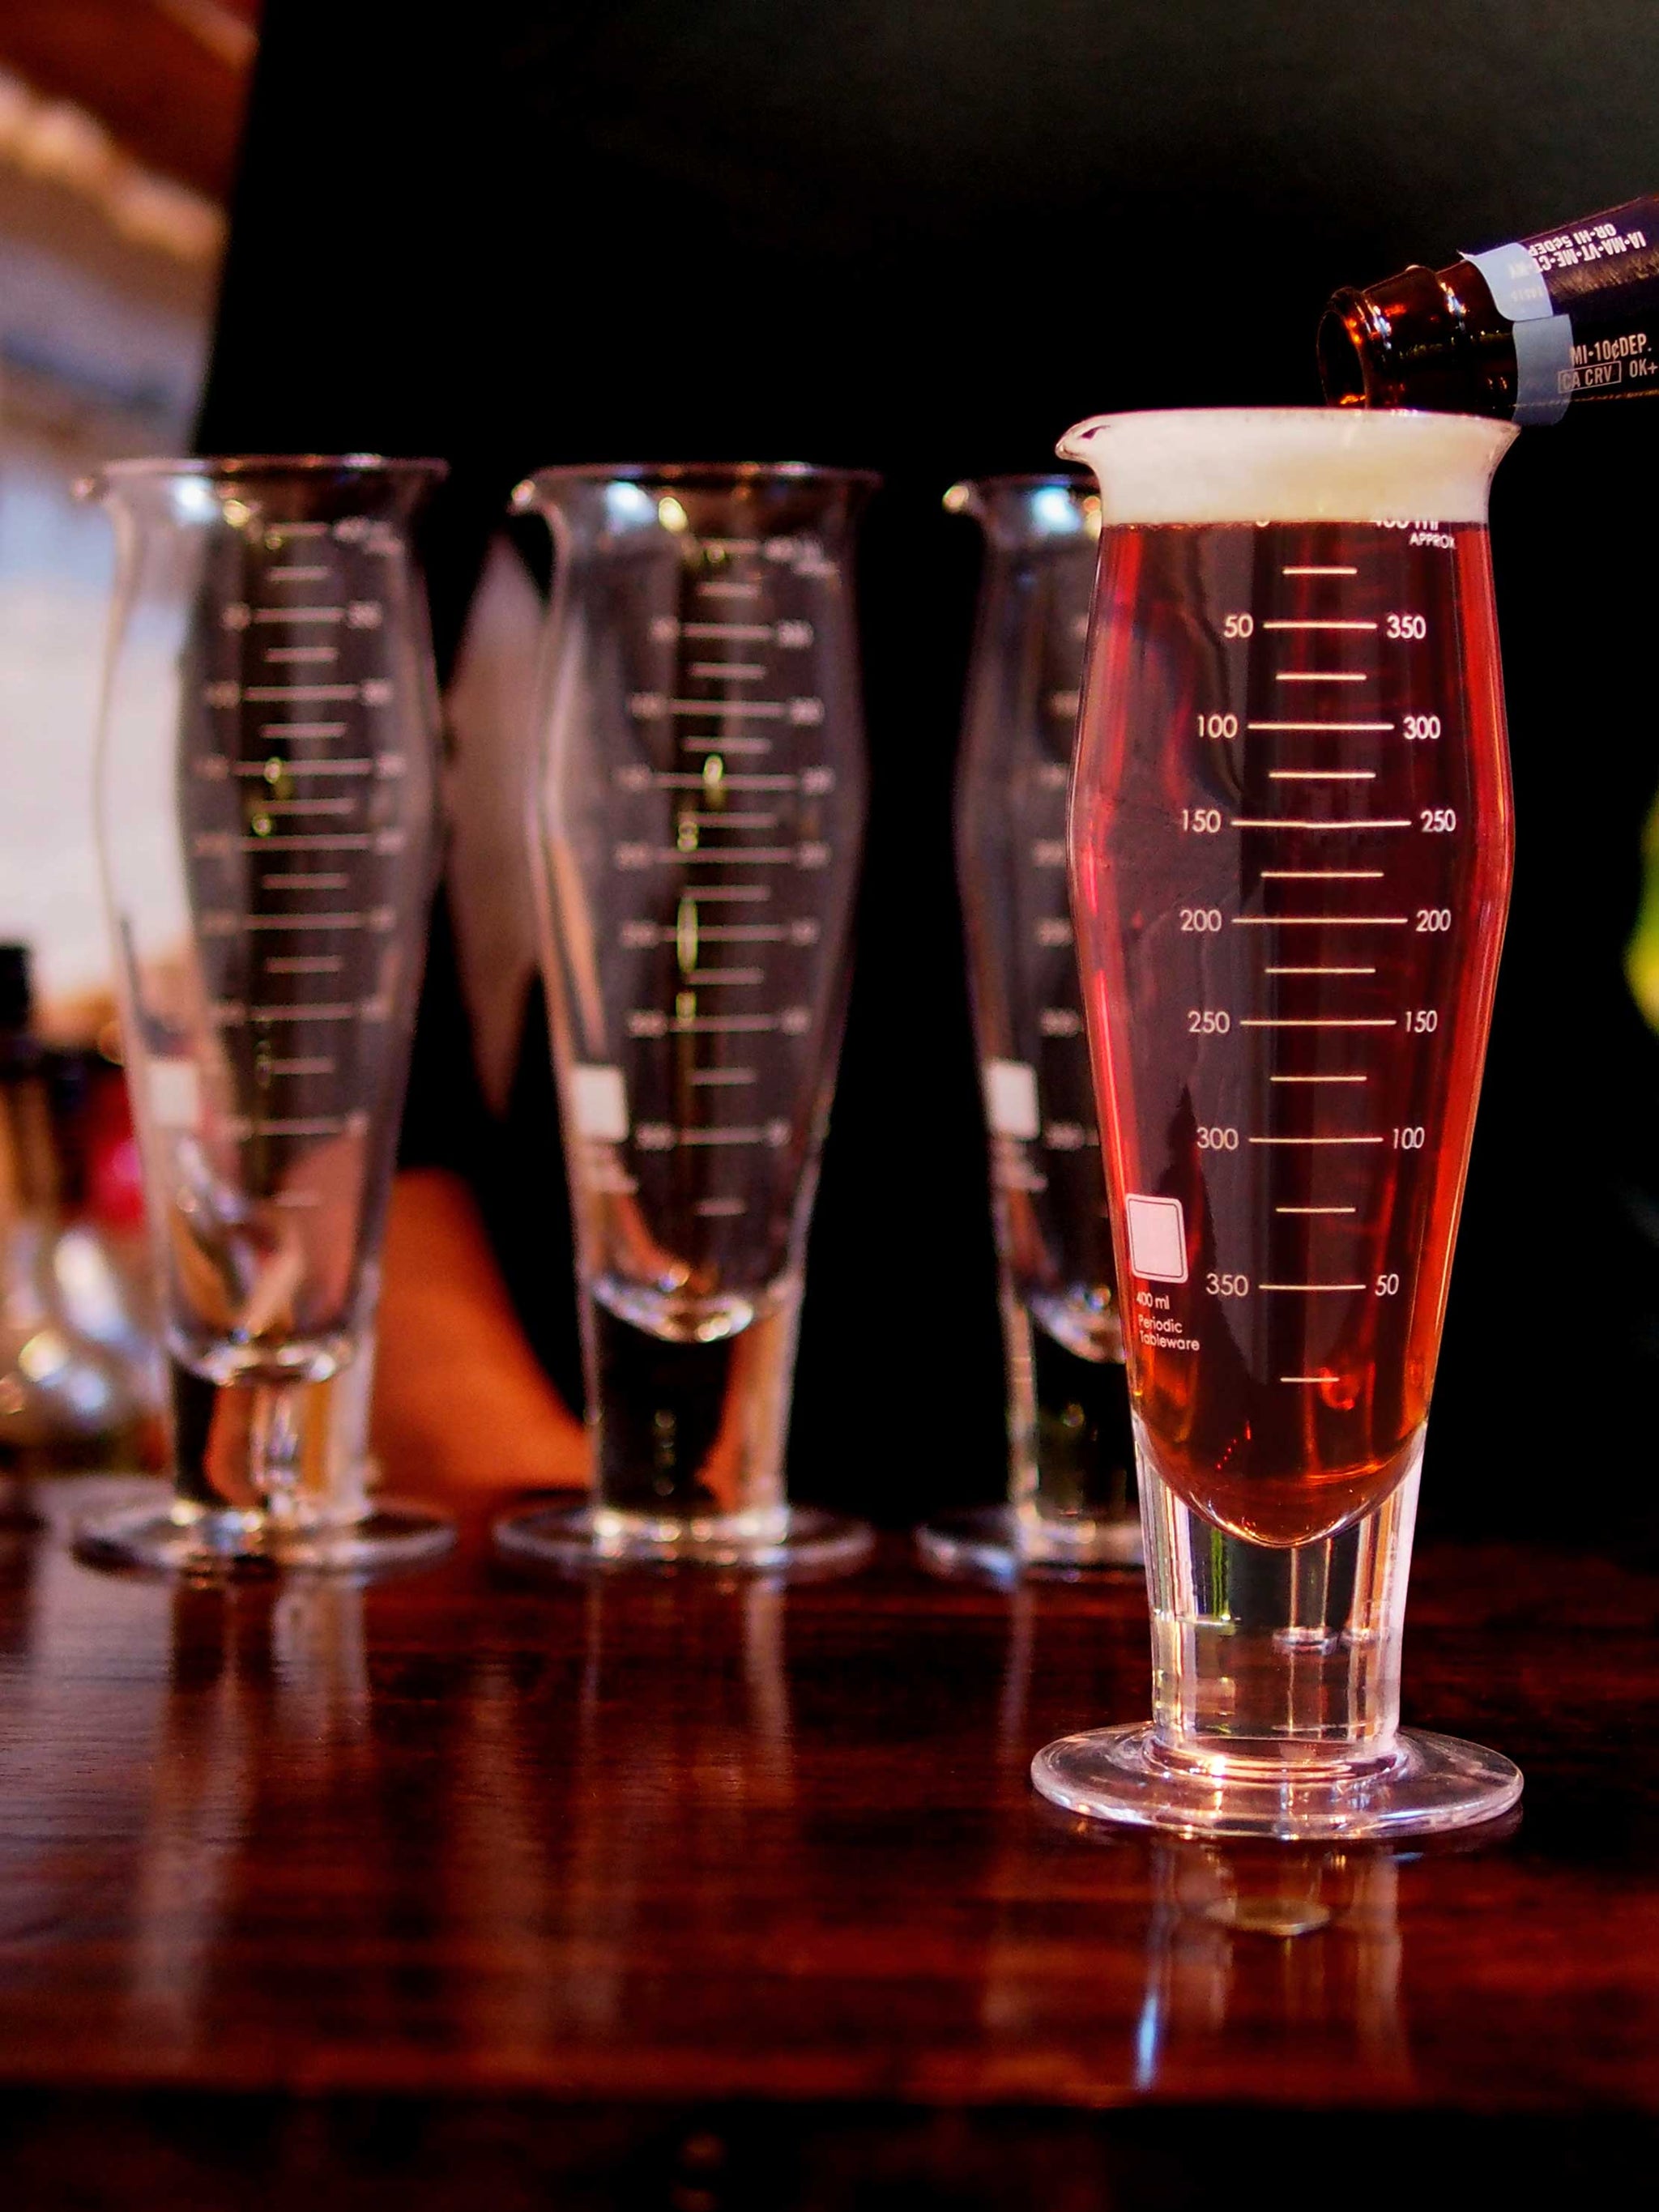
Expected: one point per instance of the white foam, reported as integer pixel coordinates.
(1289, 465)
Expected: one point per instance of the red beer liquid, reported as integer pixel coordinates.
(1292, 850)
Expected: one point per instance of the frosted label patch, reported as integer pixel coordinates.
(599, 1102)
(175, 1094)
(1157, 1239)
(1011, 1098)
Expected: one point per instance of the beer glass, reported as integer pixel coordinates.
(1291, 852)
(696, 829)
(1071, 1503)
(267, 816)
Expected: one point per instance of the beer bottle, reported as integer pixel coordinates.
(1521, 330)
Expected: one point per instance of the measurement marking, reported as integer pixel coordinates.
(722, 670)
(1312, 570)
(320, 768)
(728, 591)
(307, 921)
(303, 883)
(322, 614)
(730, 821)
(1372, 729)
(758, 856)
(1319, 1078)
(335, 806)
(754, 933)
(726, 975)
(304, 963)
(720, 1209)
(1301, 624)
(726, 745)
(722, 1136)
(1343, 822)
(270, 692)
(758, 631)
(319, 1067)
(700, 782)
(329, 1126)
(1321, 776)
(1319, 971)
(302, 653)
(766, 709)
(1316, 1209)
(304, 920)
(1317, 1022)
(1314, 1140)
(1322, 875)
(302, 729)
(1320, 920)
(358, 841)
(1310, 1286)
(724, 1076)
(343, 1011)
(1310, 1378)
(1321, 676)
(723, 1024)
(297, 530)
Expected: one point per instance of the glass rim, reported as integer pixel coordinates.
(712, 475)
(156, 467)
(1062, 479)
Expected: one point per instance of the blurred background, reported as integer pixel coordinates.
(120, 125)
(959, 226)
(119, 121)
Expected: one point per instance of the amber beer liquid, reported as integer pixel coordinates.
(1292, 855)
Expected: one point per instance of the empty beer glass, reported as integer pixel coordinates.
(695, 823)
(1291, 852)
(267, 807)
(1072, 1504)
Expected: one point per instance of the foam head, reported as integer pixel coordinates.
(1289, 464)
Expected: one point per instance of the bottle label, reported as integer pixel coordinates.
(1584, 302)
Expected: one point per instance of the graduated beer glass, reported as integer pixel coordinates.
(696, 829)
(1290, 852)
(267, 813)
(1071, 1503)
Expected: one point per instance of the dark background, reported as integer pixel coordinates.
(926, 238)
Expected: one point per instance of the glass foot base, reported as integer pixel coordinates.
(583, 1540)
(987, 1543)
(1434, 1783)
(205, 1546)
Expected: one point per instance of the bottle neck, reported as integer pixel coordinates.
(1428, 339)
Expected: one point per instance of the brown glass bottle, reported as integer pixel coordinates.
(1520, 331)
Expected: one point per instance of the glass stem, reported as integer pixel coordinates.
(1287, 1654)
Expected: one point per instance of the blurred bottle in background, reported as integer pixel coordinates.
(79, 1367)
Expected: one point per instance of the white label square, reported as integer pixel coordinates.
(1011, 1098)
(175, 1094)
(1157, 1239)
(599, 1102)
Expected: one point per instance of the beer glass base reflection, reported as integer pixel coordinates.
(1422, 1784)
(1001, 1543)
(794, 1540)
(203, 1544)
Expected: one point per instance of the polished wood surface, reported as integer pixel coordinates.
(681, 1844)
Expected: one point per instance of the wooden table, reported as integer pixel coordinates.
(463, 1889)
